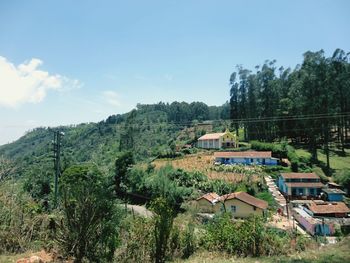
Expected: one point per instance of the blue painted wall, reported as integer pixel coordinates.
(248, 161)
(335, 197)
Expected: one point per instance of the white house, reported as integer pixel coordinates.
(218, 140)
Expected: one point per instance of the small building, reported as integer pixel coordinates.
(246, 158)
(207, 203)
(218, 140)
(313, 226)
(300, 185)
(333, 194)
(327, 209)
(337, 186)
(243, 205)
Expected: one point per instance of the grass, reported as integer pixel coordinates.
(13, 258)
(337, 162)
(337, 253)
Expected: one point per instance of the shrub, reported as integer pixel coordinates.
(163, 223)
(138, 240)
(22, 224)
(90, 218)
(250, 237)
(188, 241)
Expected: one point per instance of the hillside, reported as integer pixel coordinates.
(149, 130)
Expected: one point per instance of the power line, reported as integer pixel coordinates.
(57, 156)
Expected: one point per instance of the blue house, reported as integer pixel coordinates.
(246, 158)
(300, 185)
(333, 194)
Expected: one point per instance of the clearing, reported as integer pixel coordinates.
(204, 162)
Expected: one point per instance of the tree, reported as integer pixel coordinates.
(164, 218)
(7, 168)
(234, 114)
(122, 165)
(89, 225)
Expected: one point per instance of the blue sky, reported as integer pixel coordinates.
(65, 62)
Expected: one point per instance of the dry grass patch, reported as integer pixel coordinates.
(203, 162)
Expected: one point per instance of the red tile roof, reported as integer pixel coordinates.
(300, 176)
(310, 184)
(211, 136)
(247, 198)
(247, 154)
(328, 208)
(211, 197)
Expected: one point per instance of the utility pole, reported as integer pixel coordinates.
(56, 153)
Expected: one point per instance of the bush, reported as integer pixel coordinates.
(278, 149)
(248, 238)
(138, 240)
(22, 224)
(294, 160)
(188, 241)
(90, 217)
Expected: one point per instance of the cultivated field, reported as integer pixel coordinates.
(204, 163)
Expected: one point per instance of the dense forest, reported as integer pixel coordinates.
(308, 105)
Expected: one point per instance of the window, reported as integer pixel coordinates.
(233, 209)
(254, 208)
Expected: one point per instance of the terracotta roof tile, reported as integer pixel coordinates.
(247, 198)
(247, 154)
(211, 197)
(211, 136)
(328, 208)
(300, 176)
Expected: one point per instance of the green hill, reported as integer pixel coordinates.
(148, 130)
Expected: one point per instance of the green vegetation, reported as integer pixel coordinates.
(306, 105)
(88, 227)
(337, 253)
(114, 161)
(248, 238)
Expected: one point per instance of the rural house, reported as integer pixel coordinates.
(333, 194)
(247, 158)
(300, 185)
(243, 205)
(327, 209)
(240, 204)
(207, 202)
(313, 226)
(218, 140)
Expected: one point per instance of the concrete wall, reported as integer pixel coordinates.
(209, 144)
(243, 210)
(335, 197)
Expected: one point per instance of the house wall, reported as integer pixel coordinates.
(209, 144)
(247, 161)
(243, 209)
(282, 186)
(335, 197)
(228, 138)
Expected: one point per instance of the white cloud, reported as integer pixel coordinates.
(111, 97)
(27, 84)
